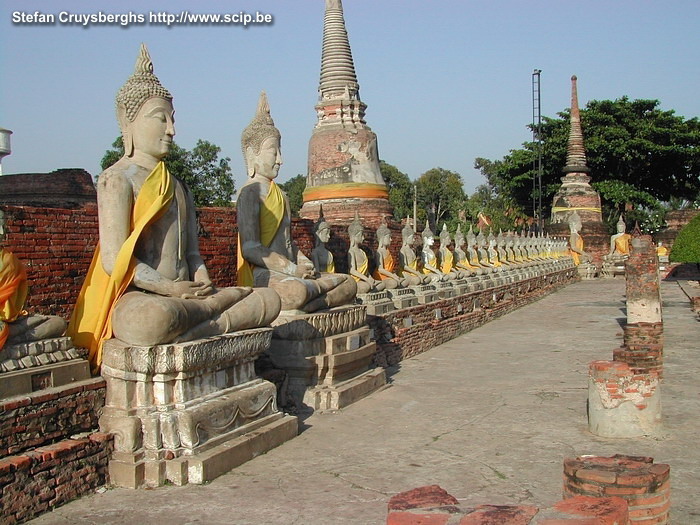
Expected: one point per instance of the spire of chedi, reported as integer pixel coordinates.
(575, 151)
(576, 194)
(343, 162)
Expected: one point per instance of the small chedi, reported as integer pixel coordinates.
(370, 291)
(33, 353)
(581, 259)
(182, 394)
(614, 261)
(321, 256)
(397, 287)
(321, 339)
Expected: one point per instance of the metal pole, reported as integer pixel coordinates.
(537, 139)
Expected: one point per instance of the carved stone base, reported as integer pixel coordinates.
(377, 303)
(189, 412)
(586, 270)
(403, 297)
(425, 293)
(612, 268)
(29, 367)
(327, 368)
(445, 290)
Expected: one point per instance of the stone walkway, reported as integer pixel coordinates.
(489, 416)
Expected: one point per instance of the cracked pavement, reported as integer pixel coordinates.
(489, 416)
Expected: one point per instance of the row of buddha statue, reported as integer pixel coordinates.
(148, 284)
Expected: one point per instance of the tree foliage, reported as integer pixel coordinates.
(639, 156)
(441, 198)
(501, 210)
(294, 188)
(686, 247)
(400, 190)
(208, 177)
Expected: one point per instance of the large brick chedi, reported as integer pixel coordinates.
(343, 169)
(576, 194)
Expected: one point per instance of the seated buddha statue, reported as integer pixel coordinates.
(446, 257)
(461, 259)
(268, 256)
(147, 284)
(358, 262)
(385, 263)
(409, 267)
(619, 243)
(321, 257)
(16, 325)
(429, 258)
(576, 241)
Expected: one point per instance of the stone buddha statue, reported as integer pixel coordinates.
(386, 266)
(482, 250)
(429, 258)
(321, 257)
(501, 249)
(576, 241)
(493, 251)
(620, 242)
(268, 257)
(461, 259)
(408, 261)
(473, 253)
(448, 264)
(16, 325)
(147, 284)
(358, 262)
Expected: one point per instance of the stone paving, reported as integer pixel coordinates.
(489, 416)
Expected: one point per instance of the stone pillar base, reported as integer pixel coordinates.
(188, 412)
(327, 357)
(622, 403)
(403, 297)
(377, 303)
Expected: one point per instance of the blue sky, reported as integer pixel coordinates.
(445, 82)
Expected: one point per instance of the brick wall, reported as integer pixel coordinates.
(47, 477)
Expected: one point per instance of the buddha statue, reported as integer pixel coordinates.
(474, 255)
(429, 258)
(492, 251)
(576, 241)
(267, 256)
(408, 261)
(461, 259)
(446, 257)
(16, 325)
(385, 262)
(147, 284)
(501, 249)
(358, 262)
(482, 250)
(661, 250)
(620, 242)
(321, 257)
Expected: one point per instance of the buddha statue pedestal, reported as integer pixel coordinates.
(377, 303)
(586, 270)
(189, 412)
(444, 289)
(49, 363)
(327, 357)
(403, 297)
(613, 265)
(425, 293)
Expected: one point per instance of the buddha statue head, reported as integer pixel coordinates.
(459, 237)
(322, 230)
(621, 226)
(261, 142)
(471, 238)
(481, 240)
(356, 231)
(574, 223)
(408, 234)
(383, 235)
(445, 239)
(428, 236)
(145, 111)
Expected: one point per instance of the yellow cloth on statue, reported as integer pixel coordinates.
(579, 247)
(413, 265)
(622, 244)
(91, 323)
(13, 291)
(431, 261)
(330, 268)
(661, 251)
(271, 214)
(447, 261)
(362, 268)
(389, 265)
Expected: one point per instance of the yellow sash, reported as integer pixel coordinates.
(13, 291)
(91, 323)
(575, 256)
(331, 264)
(622, 244)
(388, 266)
(447, 261)
(431, 261)
(363, 267)
(661, 251)
(271, 214)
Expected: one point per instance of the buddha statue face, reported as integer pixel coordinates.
(153, 128)
(428, 241)
(324, 233)
(268, 160)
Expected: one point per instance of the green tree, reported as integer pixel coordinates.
(400, 190)
(208, 177)
(294, 188)
(440, 198)
(639, 156)
(686, 247)
(502, 210)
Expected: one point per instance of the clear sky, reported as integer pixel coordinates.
(444, 81)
